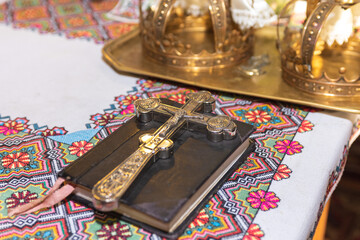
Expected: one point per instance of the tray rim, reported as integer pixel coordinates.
(122, 68)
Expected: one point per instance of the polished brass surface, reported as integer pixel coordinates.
(173, 36)
(312, 29)
(310, 7)
(311, 65)
(125, 54)
(347, 3)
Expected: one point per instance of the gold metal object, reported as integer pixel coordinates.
(254, 66)
(125, 54)
(310, 7)
(173, 37)
(309, 64)
(107, 191)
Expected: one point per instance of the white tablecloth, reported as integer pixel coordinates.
(56, 82)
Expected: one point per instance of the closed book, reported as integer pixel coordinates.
(168, 193)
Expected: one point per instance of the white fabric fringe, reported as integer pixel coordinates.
(256, 14)
(338, 26)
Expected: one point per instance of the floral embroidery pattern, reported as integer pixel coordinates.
(335, 175)
(180, 98)
(16, 160)
(305, 126)
(126, 100)
(261, 115)
(206, 220)
(258, 116)
(208, 223)
(14, 126)
(263, 200)
(126, 103)
(55, 131)
(20, 198)
(288, 147)
(283, 172)
(103, 119)
(128, 110)
(114, 232)
(80, 148)
(254, 233)
(201, 219)
(149, 84)
(80, 34)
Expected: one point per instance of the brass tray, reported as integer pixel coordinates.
(125, 54)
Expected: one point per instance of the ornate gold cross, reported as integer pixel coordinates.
(108, 191)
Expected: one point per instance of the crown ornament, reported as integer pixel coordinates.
(320, 47)
(194, 35)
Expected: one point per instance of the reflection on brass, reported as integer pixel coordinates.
(107, 192)
(125, 54)
(311, 65)
(310, 7)
(174, 37)
(312, 30)
(254, 66)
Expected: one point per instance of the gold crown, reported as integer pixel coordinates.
(312, 59)
(194, 35)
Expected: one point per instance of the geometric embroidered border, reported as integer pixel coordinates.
(230, 213)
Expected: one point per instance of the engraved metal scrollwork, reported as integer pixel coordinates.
(143, 108)
(221, 127)
(108, 191)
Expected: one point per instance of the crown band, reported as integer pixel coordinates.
(212, 40)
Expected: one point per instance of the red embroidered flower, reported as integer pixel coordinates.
(16, 160)
(20, 198)
(305, 126)
(148, 84)
(114, 232)
(127, 103)
(201, 219)
(103, 119)
(80, 148)
(129, 100)
(282, 172)
(180, 98)
(288, 147)
(129, 109)
(253, 233)
(11, 127)
(258, 116)
(263, 200)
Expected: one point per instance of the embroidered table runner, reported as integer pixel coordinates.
(59, 99)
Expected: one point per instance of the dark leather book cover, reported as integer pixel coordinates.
(169, 192)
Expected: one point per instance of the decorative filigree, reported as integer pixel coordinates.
(168, 34)
(299, 66)
(108, 190)
(323, 85)
(312, 30)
